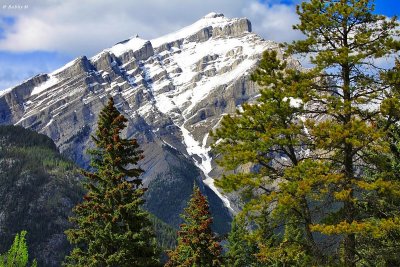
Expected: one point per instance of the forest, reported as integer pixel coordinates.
(322, 150)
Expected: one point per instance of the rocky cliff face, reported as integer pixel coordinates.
(38, 189)
(174, 90)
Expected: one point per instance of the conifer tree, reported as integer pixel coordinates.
(271, 135)
(313, 136)
(197, 244)
(111, 227)
(17, 256)
(241, 251)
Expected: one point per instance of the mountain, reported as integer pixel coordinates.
(173, 89)
(38, 188)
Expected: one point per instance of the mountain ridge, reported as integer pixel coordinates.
(173, 94)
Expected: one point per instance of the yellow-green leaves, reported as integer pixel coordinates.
(372, 227)
(329, 165)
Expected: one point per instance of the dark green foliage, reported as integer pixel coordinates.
(38, 188)
(17, 256)
(111, 227)
(173, 189)
(21, 137)
(165, 234)
(382, 250)
(197, 244)
(241, 249)
(270, 136)
(345, 38)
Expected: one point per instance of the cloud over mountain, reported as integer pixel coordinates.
(83, 27)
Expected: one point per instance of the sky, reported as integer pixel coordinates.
(38, 36)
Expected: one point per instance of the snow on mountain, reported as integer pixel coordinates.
(5, 91)
(45, 85)
(212, 19)
(120, 48)
(174, 90)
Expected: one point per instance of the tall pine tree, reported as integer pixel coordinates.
(111, 227)
(345, 40)
(315, 137)
(271, 136)
(197, 244)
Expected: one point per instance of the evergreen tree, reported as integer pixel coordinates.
(271, 136)
(313, 135)
(197, 244)
(111, 227)
(241, 251)
(382, 250)
(347, 38)
(17, 256)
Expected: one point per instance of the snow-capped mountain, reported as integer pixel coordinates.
(174, 90)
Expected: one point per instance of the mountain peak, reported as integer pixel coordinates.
(213, 15)
(173, 90)
(223, 25)
(133, 43)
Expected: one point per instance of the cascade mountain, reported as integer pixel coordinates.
(173, 89)
(38, 189)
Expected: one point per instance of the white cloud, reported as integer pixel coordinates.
(81, 27)
(273, 21)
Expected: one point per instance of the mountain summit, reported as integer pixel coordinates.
(174, 89)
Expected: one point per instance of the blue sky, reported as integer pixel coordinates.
(388, 7)
(42, 35)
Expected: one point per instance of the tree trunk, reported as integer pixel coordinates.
(349, 241)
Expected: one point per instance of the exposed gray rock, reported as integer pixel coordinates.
(201, 36)
(187, 82)
(141, 54)
(240, 27)
(38, 189)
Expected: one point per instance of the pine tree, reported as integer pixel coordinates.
(197, 244)
(313, 135)
(382, 250)
(111, 227)
(271, 136)
(347, 38)
(241, 251)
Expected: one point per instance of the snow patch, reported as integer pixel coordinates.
(193, 148)
(45, 85)
(5, 91)
(213, 15)
(212, 19)
(49, 123)
(66, 66)
(168, 144)
(293, 102)
(121, 48)
(164, 103)
(133, 44)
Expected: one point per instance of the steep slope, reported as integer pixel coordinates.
(174, 90)
(38, 189)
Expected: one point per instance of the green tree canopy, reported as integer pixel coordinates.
(241, 249)
(316, 136)
(197, 244)
(17, 256)
(111, 228)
